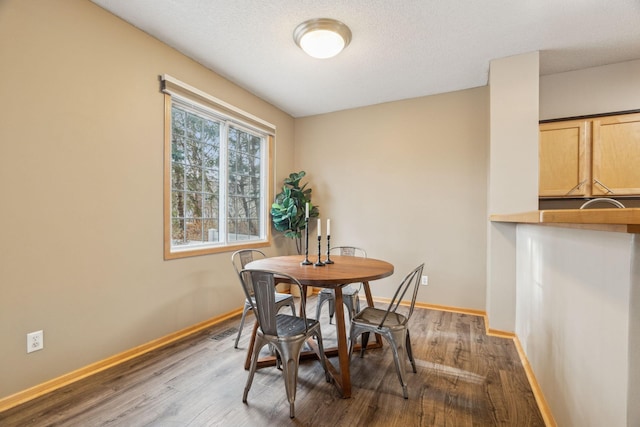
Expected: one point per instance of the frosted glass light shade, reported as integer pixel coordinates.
(322, 38)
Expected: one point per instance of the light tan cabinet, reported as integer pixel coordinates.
(616, 155)
(592, 157)
(563, 158)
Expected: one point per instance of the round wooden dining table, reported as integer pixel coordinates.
(343, 271)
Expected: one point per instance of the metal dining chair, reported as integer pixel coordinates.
(391, 324)
(287, 334)
(240, 259)
(349, 293)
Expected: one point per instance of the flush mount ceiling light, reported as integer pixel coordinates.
(322, 38)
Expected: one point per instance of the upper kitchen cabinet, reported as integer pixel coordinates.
(564, 157)
(616, 155)
(598, 156)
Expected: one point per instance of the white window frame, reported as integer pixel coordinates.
(208, 106)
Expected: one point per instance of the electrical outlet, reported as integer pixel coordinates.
(425, 280)
(35, 341)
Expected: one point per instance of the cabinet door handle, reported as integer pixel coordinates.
(576, 187)
(609, 191)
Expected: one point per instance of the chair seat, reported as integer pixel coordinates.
(372, 316)
(290, 326)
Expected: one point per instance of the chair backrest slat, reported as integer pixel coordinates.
(265, 296)
(411, 279)
(349, 251)
(241, 258)
(261, 285)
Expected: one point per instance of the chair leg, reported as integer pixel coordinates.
(278, 358)
(353, 305)
(365, 341)
(352, 340)
(397, 340)
(322, 356)
(332, 308)
(259, 343)
(290, 360)
(244, 315)
(410, 353)
(322, 298)
(321, 301)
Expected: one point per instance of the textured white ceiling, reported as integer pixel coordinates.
(400, 48)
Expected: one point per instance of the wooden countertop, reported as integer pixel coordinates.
(621, 220)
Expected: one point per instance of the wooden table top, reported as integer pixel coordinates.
(345, 270)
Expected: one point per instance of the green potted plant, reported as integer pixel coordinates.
(289, 209)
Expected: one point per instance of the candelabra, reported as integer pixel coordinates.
(319, 263)
(306, 243)
(328, 261)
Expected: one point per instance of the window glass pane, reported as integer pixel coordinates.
(178, 121)
(245, 164)
(177, 231)
(194, 230)
(177, 177)
(238, 230)
(255, 187)
(211, 156)
(210, 206)
(194, 126)
(211, 181)
(233, 139)
(211, 227)
(178, 150)
(193, 177)
(193, 205)
(177, 204)
(211, 133)
(194, 153)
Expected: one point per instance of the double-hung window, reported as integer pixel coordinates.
(217, 164)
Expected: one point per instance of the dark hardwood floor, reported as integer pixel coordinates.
(465, 378)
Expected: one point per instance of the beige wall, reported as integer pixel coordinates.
(513, 174)
(574, 318)
(406, 181)
(597, 90)
(81, 172)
